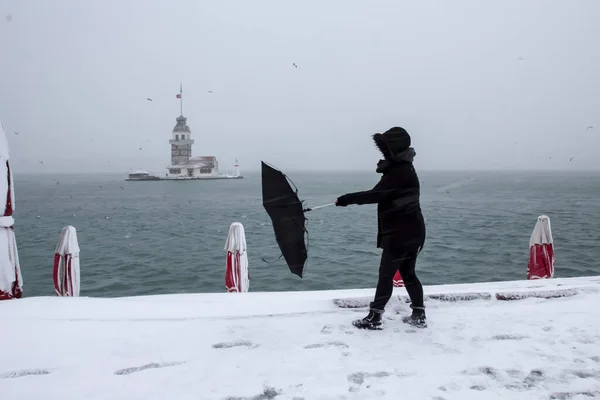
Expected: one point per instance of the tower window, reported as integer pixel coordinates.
(176, 137)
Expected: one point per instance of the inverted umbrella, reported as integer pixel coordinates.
(286, 211)
(541, 250)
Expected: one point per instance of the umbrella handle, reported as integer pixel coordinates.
(314, 208)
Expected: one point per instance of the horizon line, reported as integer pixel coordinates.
(437, 170)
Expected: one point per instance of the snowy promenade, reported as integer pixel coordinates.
(300, 345)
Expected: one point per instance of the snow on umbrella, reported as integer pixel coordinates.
(398, 281)
(66, 264)
(236, 268)
(11, 281)
(541, 250)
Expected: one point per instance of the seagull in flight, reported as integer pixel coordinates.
(148, 98)
(294, 64)
(571, 159)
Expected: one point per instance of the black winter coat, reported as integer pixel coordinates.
(400, 223)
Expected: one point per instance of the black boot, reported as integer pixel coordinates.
(417, 319)
(371, 321)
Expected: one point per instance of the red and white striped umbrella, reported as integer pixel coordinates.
(66, 264)
(11, 281)
(398, 281)
(541, 250)
(236, 269)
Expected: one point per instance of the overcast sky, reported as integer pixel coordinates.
(478, 84)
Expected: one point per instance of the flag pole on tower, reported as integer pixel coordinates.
(180, 97)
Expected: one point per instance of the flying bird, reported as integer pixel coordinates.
(16, 133)
(520, 58)
(41, 162)
(294, 64)
(122, 188)
(9, 18)
(571, 159)
(140, 148)
(210, 91)
(590, 127)
(148, 98)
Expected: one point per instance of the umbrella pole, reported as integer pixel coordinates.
(314, 208)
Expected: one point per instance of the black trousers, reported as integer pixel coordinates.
(391, 261)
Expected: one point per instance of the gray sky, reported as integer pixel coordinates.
(75, 75)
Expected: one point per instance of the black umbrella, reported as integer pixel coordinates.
(287, 215)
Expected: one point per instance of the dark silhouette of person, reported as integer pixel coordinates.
(400, 225)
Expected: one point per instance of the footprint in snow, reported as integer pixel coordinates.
(450, 387)
(477, 387)
(358, 378)
(574, 395)
(582, 374)
(534, 378)
(515, 374)
(131, 370)
(268, 394)
(487, 371)
(236, 343)
(509, 337)
(327, 330)
(347, 329)
(328, 344)
(24, 372)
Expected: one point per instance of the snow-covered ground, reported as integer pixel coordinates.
(301, 345)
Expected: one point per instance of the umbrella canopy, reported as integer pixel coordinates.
(66, 264)
(284, 207)
(236, 268)
(11, 281)
(541, 250)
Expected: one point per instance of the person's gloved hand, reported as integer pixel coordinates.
(341, 201)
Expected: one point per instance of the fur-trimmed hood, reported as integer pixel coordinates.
(394, 145)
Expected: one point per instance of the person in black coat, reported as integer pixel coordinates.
(400, 225)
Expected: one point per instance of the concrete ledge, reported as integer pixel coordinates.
(363, 302)
(546, 294)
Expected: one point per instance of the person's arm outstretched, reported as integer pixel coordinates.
(384, 190)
